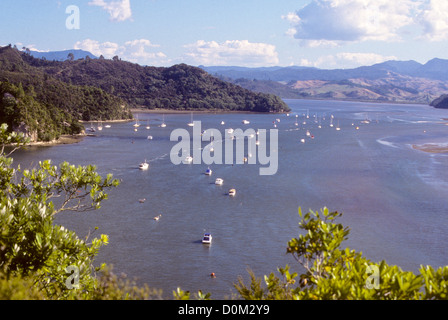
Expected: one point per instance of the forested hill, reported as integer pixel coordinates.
(44, 107)
(180, 87)
(46, 99)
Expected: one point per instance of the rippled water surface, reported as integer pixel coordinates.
(394, 198)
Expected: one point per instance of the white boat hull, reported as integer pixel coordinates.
(207, 239)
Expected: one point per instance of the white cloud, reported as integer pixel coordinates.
(342, 21)
(118, 10)
(351, 20)
(320, 43)
(137, 51)
(346, 60)
(231, 52)
(433, 17)
(106, 49)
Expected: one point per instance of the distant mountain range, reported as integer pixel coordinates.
(390, 81)
(46, 97)
(435, 69)
(62, 55)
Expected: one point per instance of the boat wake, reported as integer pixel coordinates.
(163, 156)
(433, 173)
(387, 143)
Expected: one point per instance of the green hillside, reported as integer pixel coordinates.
(47, 99)
(46, 107)
(180, 87)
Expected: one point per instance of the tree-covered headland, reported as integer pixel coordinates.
(47, 99)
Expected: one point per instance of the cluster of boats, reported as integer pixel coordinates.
(99, 127)
(207, 237)
(220, 182)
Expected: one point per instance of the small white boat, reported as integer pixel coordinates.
(188, 159)
(108, 126)
(366, 120)
(219, 181)
(137, 123)
(207, 238)
(100, 126)
(232, 192)
(191, 124)
(163, 125)
(144, 166)
(208, 172)
(302, 140)
(223, 123)
(150, 137)
(246, 121)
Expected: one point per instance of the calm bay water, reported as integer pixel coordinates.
(394, 198)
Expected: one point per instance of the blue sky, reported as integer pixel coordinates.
(252, 33)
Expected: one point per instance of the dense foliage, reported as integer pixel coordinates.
(21, 110)
(49, 98)
(335, 273)
(46, 106)
(42, 260)
(180, 87)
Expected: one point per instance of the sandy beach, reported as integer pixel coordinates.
(167, 111)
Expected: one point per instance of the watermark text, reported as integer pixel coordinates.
(230, 148)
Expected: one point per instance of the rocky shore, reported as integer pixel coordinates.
(66, 139)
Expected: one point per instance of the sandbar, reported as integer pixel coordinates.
(432, 147)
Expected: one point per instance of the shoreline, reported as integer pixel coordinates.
(63, 140)
(168, 111)
(106, 121)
